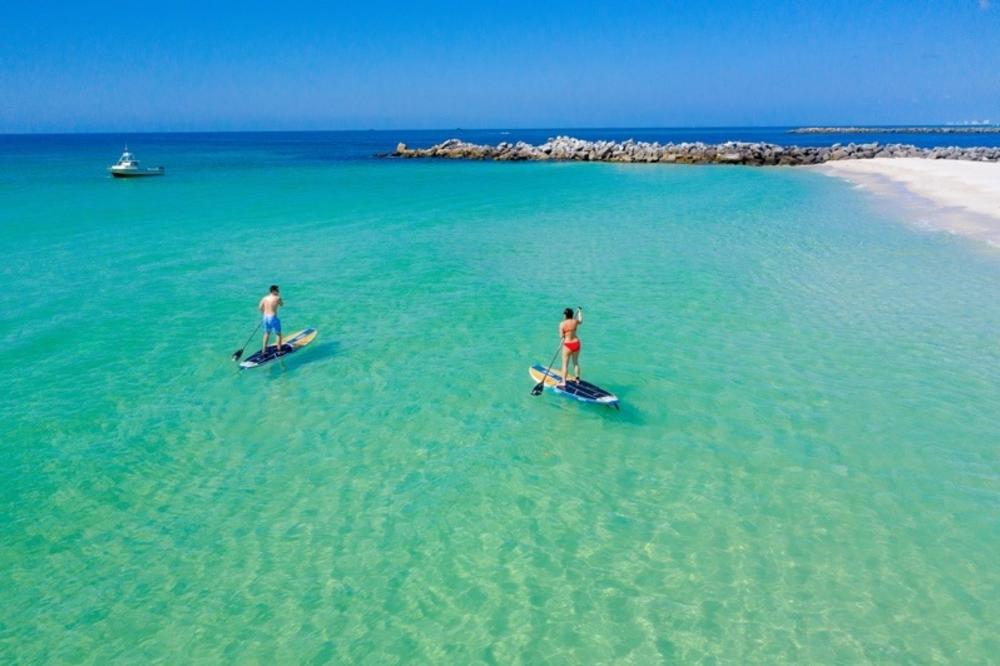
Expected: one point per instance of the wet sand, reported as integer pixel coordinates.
(966, 195)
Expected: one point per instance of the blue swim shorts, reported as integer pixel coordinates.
(272, 325)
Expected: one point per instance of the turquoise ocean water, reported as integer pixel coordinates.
(805, 468)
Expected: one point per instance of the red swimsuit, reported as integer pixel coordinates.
(572, 345)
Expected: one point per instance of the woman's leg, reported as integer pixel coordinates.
(565, 366)
(576, 364)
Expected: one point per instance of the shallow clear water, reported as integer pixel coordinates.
(805, 468)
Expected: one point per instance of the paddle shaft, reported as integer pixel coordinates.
(539, 387)
(238, 354)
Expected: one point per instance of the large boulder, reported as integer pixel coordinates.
(730, 152)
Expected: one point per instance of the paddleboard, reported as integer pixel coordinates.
(289, 344)
(580, 390)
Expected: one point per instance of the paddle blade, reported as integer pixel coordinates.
(237, 355)
(538, 388)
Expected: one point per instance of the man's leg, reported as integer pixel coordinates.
(280, 340)
(263, 350)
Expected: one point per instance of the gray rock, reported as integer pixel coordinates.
(731, 152)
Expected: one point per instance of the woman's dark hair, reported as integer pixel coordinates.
(568, 312)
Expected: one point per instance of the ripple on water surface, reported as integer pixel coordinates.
(804, 469)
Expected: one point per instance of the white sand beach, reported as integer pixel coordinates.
(966, 195)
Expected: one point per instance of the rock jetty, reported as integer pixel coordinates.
(564, 148)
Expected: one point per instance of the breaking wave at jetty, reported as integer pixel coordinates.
(946, 129)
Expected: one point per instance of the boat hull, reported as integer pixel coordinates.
(136, 173)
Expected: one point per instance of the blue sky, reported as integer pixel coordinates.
(269, 65)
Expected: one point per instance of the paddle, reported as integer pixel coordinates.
(540, 386)
(239, 353)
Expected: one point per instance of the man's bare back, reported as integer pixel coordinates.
(269, 305)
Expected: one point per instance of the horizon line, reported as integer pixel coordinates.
(493, 129)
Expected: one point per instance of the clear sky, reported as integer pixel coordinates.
(147, 65)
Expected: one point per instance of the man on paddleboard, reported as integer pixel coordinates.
(571, 343)
(269, 310)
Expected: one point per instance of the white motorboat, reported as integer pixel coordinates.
(128, 167)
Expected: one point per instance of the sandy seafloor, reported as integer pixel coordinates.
(805, 468)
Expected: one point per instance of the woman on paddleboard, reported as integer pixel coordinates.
(571, 343)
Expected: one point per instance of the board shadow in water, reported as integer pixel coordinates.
(627, 413)
(314, 353)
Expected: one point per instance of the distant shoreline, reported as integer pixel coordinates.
(569, 149)
(945, 129)
(961, 185)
